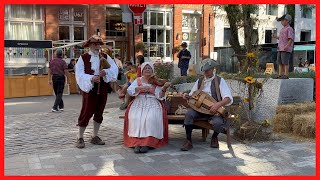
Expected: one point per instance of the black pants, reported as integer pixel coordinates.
(58, 86)
(184, 71)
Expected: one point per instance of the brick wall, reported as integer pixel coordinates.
(51, 23)
(204, 28)
(97, 20)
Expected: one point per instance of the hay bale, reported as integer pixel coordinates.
(297, 108)
(252, 130)
(282, 122)
(304, 125)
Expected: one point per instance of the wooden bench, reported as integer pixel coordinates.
(201, 123)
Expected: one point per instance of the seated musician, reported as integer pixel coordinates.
(146, 123)
(223, 97)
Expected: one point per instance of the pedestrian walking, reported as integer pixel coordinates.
(58, 73)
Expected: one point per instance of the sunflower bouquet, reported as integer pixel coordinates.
(253, 86)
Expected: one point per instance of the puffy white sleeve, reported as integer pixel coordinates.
(157, 92)
(132, 88)
(194, 88)
(112, 72)
(83, 79)
(225, 91)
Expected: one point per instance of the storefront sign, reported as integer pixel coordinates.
(119, 26)
(26, 43)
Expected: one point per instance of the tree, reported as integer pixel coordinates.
(239, 17)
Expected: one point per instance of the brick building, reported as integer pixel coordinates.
(165, 27)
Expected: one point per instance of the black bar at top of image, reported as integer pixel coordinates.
(26, 43)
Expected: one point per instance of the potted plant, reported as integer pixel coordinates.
(140, 48)
(176, 49)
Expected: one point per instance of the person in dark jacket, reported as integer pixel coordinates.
(184, 57)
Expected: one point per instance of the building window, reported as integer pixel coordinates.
(114, 24)
(306, 12)
(305, 36)
(23, 22)
(72, 24)
(226, 36)
(268, 36)
(190, 21)
(272, 9)
(157, 33)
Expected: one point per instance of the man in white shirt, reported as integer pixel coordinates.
(94, 83)
(223, 98)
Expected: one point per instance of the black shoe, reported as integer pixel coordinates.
(186, 146)
(144, 149)
(80, 143)
(284, 77)
(278, 77)
(136, 149)
(96, 140)
(214, 142)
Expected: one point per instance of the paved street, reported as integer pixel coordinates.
(38, 142)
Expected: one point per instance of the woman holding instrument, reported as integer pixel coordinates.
(146, 123)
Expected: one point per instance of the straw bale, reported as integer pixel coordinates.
(282, 122)
(304, 125)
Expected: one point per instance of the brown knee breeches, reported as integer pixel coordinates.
(93, 104)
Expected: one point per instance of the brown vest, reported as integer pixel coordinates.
(87, 68)
(214, 89)
(87, 64)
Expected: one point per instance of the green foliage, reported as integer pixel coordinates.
(191, 79)
(310, 74)
(140, 46)
(164, 70)
(176, 49)
(184, 79)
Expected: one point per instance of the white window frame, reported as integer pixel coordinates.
(147, 26)
(34, 21)
(269, 7)
(72, 24)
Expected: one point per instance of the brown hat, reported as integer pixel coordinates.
(93, 39)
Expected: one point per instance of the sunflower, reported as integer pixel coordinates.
(265, 122)
(251, 55)
(249, 79)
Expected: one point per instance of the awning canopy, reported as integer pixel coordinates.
(304, 47)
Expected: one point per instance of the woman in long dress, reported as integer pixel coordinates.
(146, 123)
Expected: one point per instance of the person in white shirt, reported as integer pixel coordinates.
(207, 84)
(120, 68)
(95, 86)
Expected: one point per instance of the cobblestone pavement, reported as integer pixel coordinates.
(43, 144)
